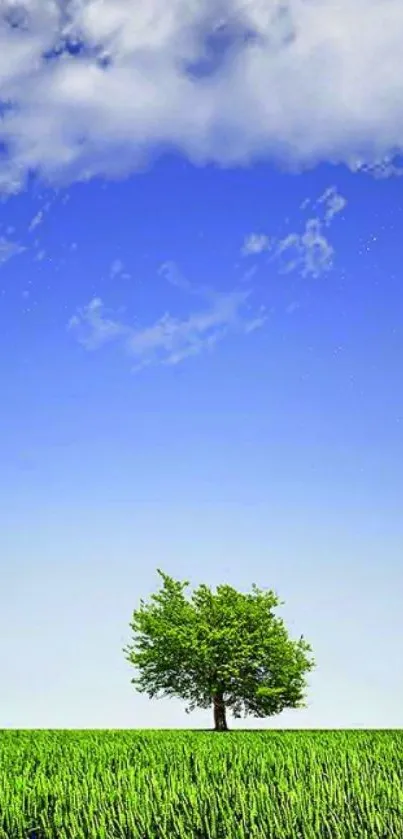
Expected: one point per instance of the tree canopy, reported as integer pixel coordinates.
(225, 650)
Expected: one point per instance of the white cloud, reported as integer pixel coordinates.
(9, 249)
(313, 253)
(170, 272)
(169, 340)
(381, 170)
(93, 328)
(227, 81)
(37, 220)
(334, 203)
(256, 243)
(39, 216)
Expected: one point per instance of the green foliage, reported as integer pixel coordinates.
(226, 643)
(181, 784)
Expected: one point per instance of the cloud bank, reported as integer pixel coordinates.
(97, 87)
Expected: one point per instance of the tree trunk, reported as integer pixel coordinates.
(220, 722)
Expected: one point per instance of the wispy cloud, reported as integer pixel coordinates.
(250, 272)
(39, 216)
(93, 328)
(333, 203)
(36, 221)
(256, 243)
(8, 249)
(93, 86)
(171, 273)
(169, 339)
(311, 252)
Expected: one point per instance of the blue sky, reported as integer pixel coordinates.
(201, 343)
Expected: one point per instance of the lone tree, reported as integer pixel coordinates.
(224, 649)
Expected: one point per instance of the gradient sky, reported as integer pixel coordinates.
(201, 343)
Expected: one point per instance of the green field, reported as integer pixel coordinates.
(190, 784)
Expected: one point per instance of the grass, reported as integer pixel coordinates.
(198, 784)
